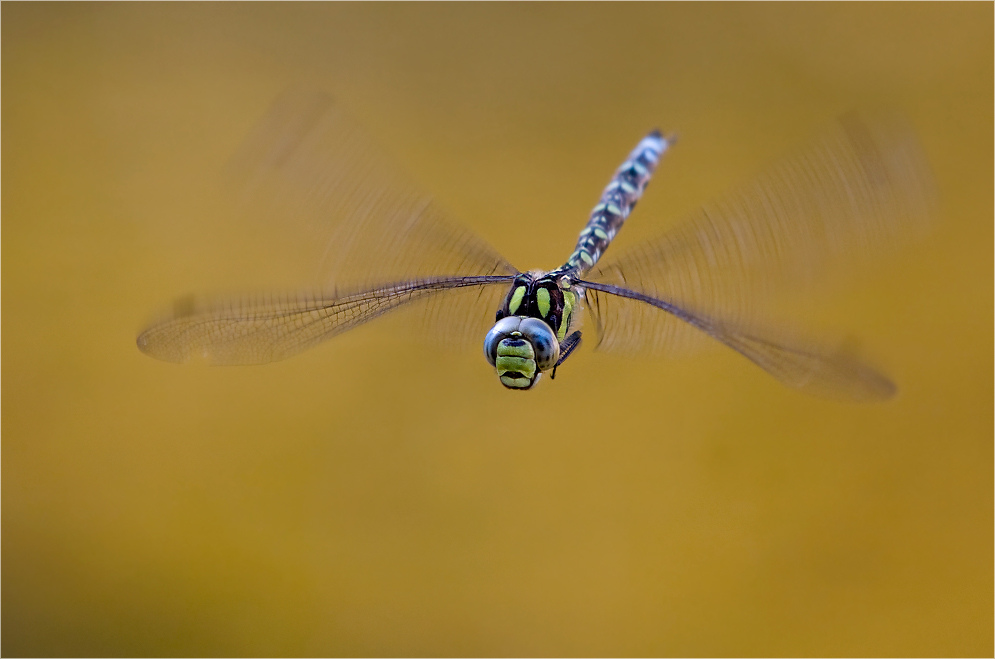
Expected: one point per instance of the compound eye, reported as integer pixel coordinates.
(501, 330)
(540, 335)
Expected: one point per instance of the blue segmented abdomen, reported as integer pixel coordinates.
(617, 201)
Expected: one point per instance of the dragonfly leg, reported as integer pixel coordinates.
(569, 345)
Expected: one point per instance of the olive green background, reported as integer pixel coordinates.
(351, 501)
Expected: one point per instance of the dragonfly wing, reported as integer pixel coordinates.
(865, 184)
(322, 198)
(814, 370)
(309, 172)
(261, 329)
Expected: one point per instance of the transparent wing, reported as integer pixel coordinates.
(328, 200)
(834, 374)
(261, 329)
(309, 171)
(864, 184)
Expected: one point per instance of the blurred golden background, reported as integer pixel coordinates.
(343, 502)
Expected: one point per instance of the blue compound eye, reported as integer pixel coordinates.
(501, 330)
(540, 335)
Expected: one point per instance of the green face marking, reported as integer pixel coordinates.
(523, 350)
(526, 367)
(515, 363)
(542, 299)
(516, 300)
(516, 383)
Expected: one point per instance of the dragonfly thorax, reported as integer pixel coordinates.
(541, 295)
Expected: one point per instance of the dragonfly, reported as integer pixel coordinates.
(388, 246)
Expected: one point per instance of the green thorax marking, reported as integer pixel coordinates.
(542, 299)
(516, 299)
(569, 299)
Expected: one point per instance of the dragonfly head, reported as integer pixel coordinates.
(520, 348)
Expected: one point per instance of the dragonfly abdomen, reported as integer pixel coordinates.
(617, 201)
